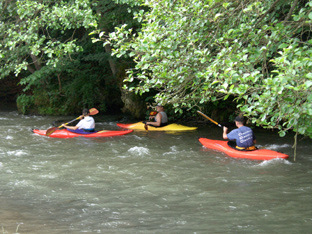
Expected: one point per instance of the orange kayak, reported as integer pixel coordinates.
(259, 154)
(63, 133)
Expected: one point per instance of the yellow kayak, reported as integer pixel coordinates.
(169, 127)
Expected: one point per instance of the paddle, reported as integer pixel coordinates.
(209, 119)
(92, 111)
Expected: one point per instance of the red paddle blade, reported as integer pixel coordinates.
(93, 111)
(50, 131)
(146, 127)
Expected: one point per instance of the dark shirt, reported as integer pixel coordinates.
(243, 136)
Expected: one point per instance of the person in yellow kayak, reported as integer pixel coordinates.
(243, 136)
(160, 119)
(85, 125)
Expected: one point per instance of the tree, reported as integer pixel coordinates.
(47, 44)
(200, 51)
(40, 39)
(114, 14)
(37, 33)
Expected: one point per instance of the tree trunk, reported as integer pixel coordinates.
(112, 65)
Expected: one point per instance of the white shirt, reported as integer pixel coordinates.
(86, 123)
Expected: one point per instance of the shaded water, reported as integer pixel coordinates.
(147, 182)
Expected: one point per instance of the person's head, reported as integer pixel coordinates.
(85, 112)
(239, 120)
(159, 107)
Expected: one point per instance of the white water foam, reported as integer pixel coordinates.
(276, 147)
(173, 150)
(273, 161)
(17, 152)
(140, 151)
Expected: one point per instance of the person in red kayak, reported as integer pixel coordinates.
(86, 124)
(160, 119)
(243, 136)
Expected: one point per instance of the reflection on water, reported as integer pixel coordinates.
(147, 182)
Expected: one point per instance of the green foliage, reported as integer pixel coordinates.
(85, 89)
(24, 102)
(36, 33)
(39, 40)
(200, 51)
(47, 103)
(47, 44)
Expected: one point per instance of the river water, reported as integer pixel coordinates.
(147, 182)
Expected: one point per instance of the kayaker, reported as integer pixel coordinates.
(160, 119)
(86, 124)
(243, 136)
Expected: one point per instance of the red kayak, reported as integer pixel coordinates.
(63, 133)
(259, 154)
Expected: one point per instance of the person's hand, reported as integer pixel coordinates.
(225, 129)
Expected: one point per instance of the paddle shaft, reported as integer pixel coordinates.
(69, 122)
(216, 123)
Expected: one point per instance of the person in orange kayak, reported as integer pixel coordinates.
(86, 124)
(243, 136)
(160, 119)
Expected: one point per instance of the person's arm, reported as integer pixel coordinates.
(74, 127)
(225, 129)
(70, 127)
(158, 120)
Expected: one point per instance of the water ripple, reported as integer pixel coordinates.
(146, 183)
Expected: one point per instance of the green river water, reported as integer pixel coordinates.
(147, 182)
